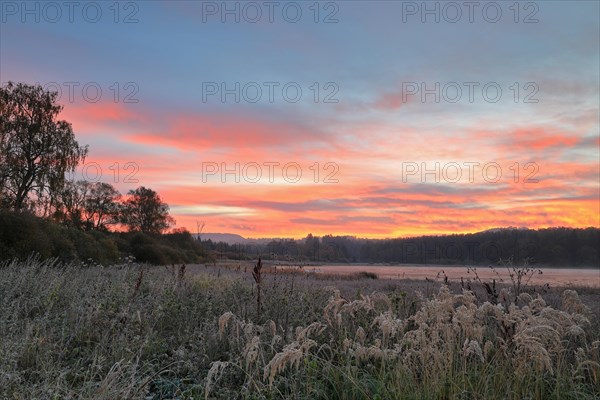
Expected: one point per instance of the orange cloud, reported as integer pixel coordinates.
(539, 139)
(371, 198)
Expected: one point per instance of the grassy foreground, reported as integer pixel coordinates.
(136, 332)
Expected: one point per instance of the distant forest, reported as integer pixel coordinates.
(552, 246)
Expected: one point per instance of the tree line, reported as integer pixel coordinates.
(44, 212)
(551, 246)
(38, 151)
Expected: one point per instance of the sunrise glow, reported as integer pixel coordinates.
(369, 151)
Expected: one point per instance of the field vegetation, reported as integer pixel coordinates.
(134, 331)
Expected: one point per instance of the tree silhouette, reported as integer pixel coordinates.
(36, 149)
(144, 211)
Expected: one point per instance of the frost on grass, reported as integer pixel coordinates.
(103, 333)
(449, 334)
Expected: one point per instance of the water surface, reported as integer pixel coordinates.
(552, 276)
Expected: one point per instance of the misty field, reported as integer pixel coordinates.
(131, 331)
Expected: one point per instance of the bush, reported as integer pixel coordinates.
(22, 234)
(163, 249)
(368, 275)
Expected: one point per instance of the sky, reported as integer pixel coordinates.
(368, 118)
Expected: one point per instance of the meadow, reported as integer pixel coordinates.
(133, 331)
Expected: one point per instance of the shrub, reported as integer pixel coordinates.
(22, 234)
(368, 275)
